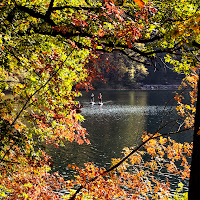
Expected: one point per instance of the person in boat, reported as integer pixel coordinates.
(92, 97)
(100, 98)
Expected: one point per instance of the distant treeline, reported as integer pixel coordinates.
(119, 72)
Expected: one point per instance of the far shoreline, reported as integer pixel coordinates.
(145, 88)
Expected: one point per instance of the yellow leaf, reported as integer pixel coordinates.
(163, 140)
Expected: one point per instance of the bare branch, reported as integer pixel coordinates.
(48, 13)
(133, 59)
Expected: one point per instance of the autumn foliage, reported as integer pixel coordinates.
(188, 110)
(45, 47)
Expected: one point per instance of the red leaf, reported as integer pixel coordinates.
(129, 44)
(107, 70)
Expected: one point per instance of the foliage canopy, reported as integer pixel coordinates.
(44, 50)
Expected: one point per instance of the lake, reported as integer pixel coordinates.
(118, 123)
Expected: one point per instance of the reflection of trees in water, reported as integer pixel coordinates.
(111, 133)
(134, 123)
(68, 154)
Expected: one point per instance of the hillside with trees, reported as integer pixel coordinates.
(120, 72)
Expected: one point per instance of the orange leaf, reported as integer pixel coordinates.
(17, 126)
(101, 33)
(139, 3)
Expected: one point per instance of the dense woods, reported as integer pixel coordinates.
(120, 72)
(50, 50)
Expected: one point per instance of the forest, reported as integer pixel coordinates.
(126, 74)
(52, 50)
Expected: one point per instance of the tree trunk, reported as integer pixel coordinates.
(194, 183)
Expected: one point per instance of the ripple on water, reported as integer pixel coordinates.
(125, 110)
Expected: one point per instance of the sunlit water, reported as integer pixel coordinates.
(119, 110)
(118, 123)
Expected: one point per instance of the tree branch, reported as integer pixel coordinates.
(65, 35)
(48, 13)
(7, 161)
(133, 59)
(32, 13)
(81, 33)
(196, 44)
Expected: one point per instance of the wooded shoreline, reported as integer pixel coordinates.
(146, 87)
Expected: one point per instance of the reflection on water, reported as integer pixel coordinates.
(117, 124)
(116, 110)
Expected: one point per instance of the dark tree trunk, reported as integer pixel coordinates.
(194, 183)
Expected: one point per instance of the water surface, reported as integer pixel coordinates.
(119, 123)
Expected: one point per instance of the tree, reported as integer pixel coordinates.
(194, 175)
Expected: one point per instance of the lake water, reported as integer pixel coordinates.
(117, 124)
